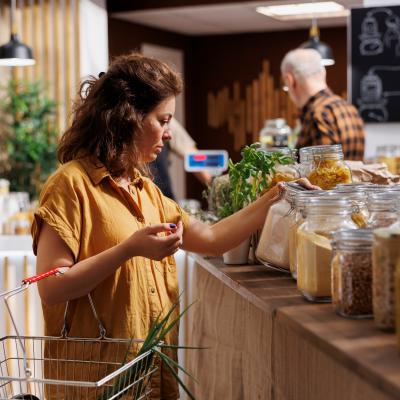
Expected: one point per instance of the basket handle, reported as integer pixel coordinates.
(37, 278)
(65, 328)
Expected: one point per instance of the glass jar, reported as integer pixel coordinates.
(387, 155)
(288, 172)
(273, 246)
(385, 254)
(352, 273)
(324, 215)
(397, 303)
(298, 216)
(383, 209)
(350, 187)
(325, 166)
(275, 133)
(4, 186)
(359, 198)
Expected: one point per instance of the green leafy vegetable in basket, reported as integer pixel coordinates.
(153, 342)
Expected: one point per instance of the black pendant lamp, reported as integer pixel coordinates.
(15, 53)
(315, 43)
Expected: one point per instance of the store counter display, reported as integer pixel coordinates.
(265, 341)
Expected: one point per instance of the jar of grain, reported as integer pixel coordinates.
(324, 166)
(352, 273)
(299, 202)
(324, 215)
(385, 255)
(383, 209)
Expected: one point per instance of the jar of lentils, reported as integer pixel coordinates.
(352, 273)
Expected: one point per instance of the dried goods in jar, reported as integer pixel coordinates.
(328, 173)
(314, 265)
(385, 254)
(352, 273)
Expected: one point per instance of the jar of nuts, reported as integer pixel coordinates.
(385, 254)
(352, 273)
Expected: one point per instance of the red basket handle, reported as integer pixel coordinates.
(37, 278)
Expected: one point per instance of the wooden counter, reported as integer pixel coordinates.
(266, 342)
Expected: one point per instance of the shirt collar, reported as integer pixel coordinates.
(322, 93)
(97, 172)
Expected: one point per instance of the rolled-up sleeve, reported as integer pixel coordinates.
(60, 208)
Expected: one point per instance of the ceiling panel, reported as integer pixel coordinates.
(223, 18)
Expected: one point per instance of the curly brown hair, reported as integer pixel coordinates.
(111, 110)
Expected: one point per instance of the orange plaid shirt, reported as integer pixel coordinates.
(328, 119)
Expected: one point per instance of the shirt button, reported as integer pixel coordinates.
(152, 290)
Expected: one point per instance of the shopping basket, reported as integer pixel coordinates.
(66, 368)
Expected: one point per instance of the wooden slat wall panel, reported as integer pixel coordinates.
(51, 29)
(262, 99)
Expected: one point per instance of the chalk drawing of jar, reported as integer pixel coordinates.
(371, 42)
(372, 104)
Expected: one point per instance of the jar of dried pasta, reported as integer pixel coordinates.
(324, 215)
(298, 216)
(285, 172)
(383, 209)
(325, 166)
(385, 255)
(352, 273)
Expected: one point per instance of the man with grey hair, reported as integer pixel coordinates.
(325, 117)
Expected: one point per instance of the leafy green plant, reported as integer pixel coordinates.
(29, 136)
(249, 177)
(154, 343)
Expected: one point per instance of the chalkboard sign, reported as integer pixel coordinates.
(375, 63)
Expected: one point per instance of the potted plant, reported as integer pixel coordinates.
(248, 179)
(29, 136)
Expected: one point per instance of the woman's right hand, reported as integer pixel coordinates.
(155, 242)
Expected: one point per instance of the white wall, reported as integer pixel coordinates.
(381, 134)
(93, 37)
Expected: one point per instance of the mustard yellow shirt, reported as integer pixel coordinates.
(91, 213)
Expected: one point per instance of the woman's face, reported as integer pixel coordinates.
(155, 132)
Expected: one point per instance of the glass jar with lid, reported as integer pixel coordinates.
(385, 254)
(275, 133)
(383, 209)
(324, 215)
(359, 198)
(285, 172)
(297, 218)
(324, 166)
(352, 273)
(273, 246)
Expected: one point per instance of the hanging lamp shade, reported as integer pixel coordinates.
(15, 53)
(315, 43)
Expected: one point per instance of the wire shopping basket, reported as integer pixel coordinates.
(66, 368)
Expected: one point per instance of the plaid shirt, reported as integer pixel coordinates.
(328, 119)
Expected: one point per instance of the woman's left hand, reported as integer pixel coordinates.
(307, 184)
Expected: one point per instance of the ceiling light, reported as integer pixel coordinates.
(286, 12)
(315, 43)
(15, 53)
